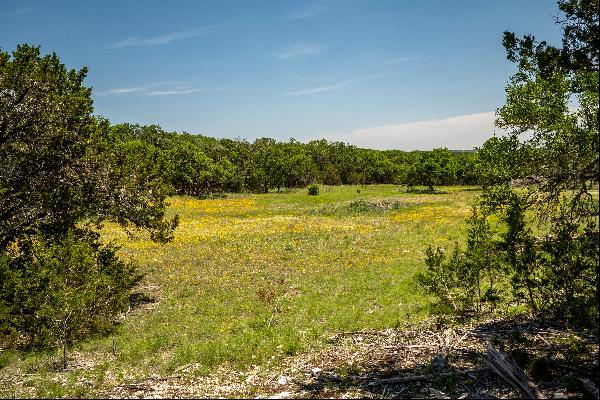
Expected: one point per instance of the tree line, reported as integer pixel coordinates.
(201, 165)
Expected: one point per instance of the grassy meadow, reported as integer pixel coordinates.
(249, 279)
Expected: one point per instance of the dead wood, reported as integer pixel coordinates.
(417, 378)
(589, 387)
(508, 370)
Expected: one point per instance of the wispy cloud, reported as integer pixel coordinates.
(160, 89)
(310, 11)
(331, 87)
(321, 89)
(26, 10)
(124, 90)
(299, 50)
(174, 91)
(460, 132)
(400, 60)
(134, 41)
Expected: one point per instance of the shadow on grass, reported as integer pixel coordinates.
(362, 207)
(138, 299)
(210, 196)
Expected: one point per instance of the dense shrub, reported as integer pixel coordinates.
(313, 190)
(555, 275)
(466, 281)
(330, 176)
(63, 171)
(430, 169)
(56, 292)
(545, 249)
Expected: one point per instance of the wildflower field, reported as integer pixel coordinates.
(250, 278)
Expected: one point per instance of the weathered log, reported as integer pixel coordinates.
(508, 370)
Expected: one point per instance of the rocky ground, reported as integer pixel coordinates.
(419, 361)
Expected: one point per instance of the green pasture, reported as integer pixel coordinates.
(250, 278)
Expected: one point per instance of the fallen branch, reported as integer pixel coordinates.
(508, 370)
(407, 346)
(416, 378)
(589, 388)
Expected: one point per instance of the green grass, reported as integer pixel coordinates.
(252, 278)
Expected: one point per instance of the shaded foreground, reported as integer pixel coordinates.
(419, 361)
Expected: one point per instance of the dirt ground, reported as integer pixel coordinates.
(424, 361)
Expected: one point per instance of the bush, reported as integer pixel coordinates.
(554, 275)
(61, 169)
(443, 279)
(313, 190)
(54, 293)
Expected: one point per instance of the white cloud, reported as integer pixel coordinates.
(118, 91)
(158, 89)
(299, 50)
(174, 91)
(320, 89)
(164, 39)
(334, 86)
(124, 90)
(311, 10)
(461, 132)
(27, 10)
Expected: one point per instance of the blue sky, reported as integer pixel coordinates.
(406, 74)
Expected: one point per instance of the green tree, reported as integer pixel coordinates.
(187, 167)
(466, 168)
(62, 175)
(298, 166)
(431, 169)
(547, 245)
(54, 171)
(564, 141)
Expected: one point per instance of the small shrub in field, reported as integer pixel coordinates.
(444, 279)
(362, 206)
(313, 190)
(466, 280)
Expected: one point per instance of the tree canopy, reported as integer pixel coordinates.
(544, 246)
(61, 175)
(58, 163)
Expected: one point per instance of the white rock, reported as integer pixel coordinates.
(282, 380)
(316, 370)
